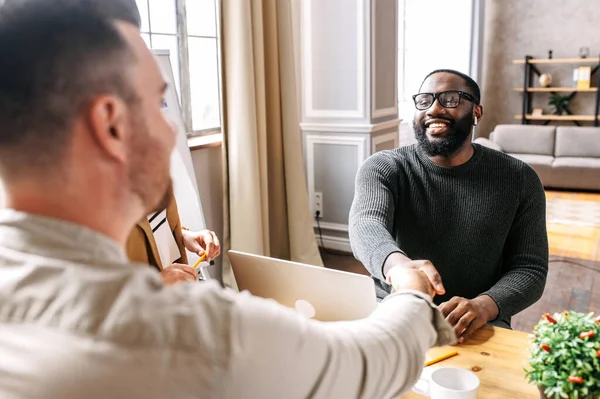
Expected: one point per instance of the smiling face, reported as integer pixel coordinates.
(443, 131)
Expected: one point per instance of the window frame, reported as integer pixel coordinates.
(182, 37)
(405, 103)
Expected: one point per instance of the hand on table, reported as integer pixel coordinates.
(177, 273)
(199, 242)
(469, 315)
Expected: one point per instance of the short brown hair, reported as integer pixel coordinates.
(57, 57)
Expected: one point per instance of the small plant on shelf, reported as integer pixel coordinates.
(559, 102)
(565, 356)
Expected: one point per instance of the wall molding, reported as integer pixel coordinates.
(350, 128)
(383, 112)
(336, 243)
(331, 226)
(393, 109)
(307, 65)
(362, 152)
(384, 138)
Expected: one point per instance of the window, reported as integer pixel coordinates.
(189, 26)
(432, 34)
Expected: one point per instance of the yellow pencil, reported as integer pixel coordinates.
(199, 260)
(440, 358)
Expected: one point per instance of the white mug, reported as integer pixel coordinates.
(449, 383)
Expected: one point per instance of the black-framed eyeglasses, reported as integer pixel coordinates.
(447, 99)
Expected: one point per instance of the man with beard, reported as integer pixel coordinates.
(474, 213)
(84, 154)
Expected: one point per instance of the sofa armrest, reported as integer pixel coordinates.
(487, 143)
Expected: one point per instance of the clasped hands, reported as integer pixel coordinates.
(465, 315)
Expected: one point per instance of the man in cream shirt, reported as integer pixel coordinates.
(83, 148)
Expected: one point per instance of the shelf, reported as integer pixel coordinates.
(559, 61)
(556, 89)
(550, 117)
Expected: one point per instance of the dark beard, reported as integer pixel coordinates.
(458, 133)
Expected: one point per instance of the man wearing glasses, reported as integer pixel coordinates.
(476, 214)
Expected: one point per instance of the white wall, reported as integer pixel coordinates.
(208, 168)
(349, 101)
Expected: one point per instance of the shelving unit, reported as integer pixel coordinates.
(553, 89)
(558, 60)
(568, 118)
(527, 90)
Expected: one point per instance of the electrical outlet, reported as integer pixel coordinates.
(319, 203)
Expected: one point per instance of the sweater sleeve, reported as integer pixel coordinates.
(525, 253)
(372, 213)
(273, 352)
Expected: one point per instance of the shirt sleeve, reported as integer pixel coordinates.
(525, 252)
(371, 220)
(274, 352)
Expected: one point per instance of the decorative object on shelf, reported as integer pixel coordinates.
(537, 112)
(560, 103)
(583, 77)
(575, 76)
(549, 54)
(564, 356)
(545, 80)
(584, 52)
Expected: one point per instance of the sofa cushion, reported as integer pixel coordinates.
(487, 143)
(577, 162)
(525, 139)
(577, 142)
(533, 159)
(574, 173)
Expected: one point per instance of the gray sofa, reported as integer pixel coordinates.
(563, 156)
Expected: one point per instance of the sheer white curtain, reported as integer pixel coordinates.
(267, 209)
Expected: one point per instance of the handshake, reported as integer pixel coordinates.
(403, 273)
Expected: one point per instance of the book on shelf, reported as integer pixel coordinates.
(582, 77)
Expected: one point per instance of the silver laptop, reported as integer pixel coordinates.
(331, 295)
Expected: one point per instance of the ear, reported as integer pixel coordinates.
(478, 112)
(108, 124)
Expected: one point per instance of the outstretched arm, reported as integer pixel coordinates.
(371, 219)
(276, 353)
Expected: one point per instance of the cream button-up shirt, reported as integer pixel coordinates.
(77, 320)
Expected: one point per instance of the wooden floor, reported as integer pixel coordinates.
(571, 284)
(574, 241)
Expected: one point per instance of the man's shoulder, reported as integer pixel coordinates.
(509, 165)
(387, 164)
(130, 307)
(395, 157)
(499, 158)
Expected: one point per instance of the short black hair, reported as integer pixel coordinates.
(57, 57)
(473, 86)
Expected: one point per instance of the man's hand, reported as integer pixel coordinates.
(398, 260)
(177, 273)
(406, 278)
(199, 242)
(469, 315)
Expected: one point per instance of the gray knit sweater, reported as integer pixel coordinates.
(482, 224)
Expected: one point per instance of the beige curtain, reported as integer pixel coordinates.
(266, 200)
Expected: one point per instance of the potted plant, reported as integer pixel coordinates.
(565, 356)
(559, 102)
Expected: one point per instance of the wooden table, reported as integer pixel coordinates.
(498, 357)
